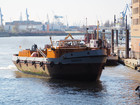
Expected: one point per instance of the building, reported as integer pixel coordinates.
(135, 29)
(23, 26)
(55, 26)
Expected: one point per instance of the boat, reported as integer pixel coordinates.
(69, 59)
(91, 38)
(4, 34)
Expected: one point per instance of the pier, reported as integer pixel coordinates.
(122, 52)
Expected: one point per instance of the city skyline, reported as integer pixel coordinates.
(74, 12)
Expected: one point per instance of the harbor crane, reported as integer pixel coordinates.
(57, 23)
(1, 17)
(57, 18)
(27, 15)
(123, 13)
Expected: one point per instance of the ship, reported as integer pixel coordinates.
(69, 59)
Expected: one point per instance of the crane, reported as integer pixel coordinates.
(1, 17)
(27, 15)
(123, 13)
(57, 21)
(56, 16)
(69, 35)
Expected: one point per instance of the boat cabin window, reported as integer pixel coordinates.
(72, 43)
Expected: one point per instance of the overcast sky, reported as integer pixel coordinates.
(75, 10)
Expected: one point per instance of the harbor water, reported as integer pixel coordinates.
(115, 87)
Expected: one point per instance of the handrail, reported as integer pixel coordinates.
(44, 55)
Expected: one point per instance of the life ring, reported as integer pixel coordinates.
(17, 61)
(52, 64)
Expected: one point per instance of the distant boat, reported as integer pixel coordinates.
(4, 34)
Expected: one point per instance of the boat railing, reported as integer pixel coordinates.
(44, 55)
(30, 58)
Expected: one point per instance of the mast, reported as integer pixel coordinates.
(97, 30)
(86, 27)
(87, 32)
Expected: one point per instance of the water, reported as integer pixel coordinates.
(116, 86)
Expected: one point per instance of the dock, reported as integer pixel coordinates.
(122, 53)
(132, 63)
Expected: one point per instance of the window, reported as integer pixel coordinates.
(135, 1)
(135, 21)
(135, 10)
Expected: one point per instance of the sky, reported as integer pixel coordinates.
(74, 12)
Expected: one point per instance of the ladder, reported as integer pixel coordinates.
(44, 55)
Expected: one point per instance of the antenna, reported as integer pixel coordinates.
(86, 26)
(114, 20)
(98, 30)
(86, 22)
